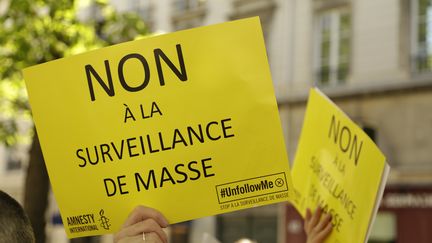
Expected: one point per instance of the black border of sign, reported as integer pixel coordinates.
(217, 192)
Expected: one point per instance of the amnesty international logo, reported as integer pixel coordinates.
(104, 221)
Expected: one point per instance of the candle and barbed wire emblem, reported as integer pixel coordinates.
(104, 221)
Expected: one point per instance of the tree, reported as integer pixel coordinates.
(37, 31)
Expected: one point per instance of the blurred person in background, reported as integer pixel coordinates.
(15, 226)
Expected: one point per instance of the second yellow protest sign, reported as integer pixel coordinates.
(186, 123)
(339, 168)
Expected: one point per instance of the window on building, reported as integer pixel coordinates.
(384, 228)
(9, 157)
(188, 13)
(333, 45)
(371, 132)
(13, 163)
(144, 10)
(421, 28)
(185, 5)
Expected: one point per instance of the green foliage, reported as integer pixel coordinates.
(37, 31)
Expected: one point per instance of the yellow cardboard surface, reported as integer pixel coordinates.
(186, 123)
(338, 167)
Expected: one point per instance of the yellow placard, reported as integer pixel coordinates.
(186, 123)
(338, 167)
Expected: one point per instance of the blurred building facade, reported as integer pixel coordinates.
(372, 58)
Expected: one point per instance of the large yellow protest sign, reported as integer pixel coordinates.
(338, 167)
(186, 123)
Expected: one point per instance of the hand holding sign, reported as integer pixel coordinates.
(143, 224)
(317, 226)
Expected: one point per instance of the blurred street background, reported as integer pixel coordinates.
(373, 58)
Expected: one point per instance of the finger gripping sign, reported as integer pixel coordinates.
(186, 123)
